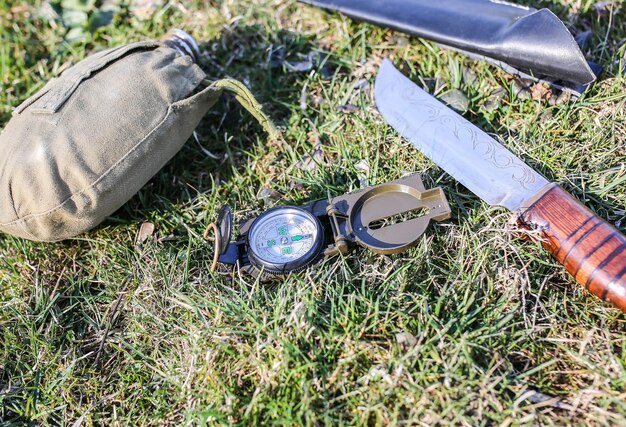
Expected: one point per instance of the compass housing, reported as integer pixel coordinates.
(285, 239)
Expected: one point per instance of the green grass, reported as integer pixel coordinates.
(465, 329)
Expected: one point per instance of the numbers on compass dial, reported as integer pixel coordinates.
(283, 236)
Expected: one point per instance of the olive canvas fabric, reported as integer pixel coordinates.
(83, 145)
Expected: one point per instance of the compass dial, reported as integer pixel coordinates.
(284, 239)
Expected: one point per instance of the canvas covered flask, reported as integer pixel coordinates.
(84, 144)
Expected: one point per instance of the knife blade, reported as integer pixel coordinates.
(591, 250)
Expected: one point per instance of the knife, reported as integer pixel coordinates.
(591, 250)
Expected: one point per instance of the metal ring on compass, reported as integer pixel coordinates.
(285, 239)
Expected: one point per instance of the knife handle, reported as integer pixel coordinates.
(591, 250)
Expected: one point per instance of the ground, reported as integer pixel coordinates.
(474, 326)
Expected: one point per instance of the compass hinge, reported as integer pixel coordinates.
(341, 245)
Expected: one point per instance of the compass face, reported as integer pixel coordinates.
(285, 239)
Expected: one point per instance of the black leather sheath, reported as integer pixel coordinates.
(524, 41)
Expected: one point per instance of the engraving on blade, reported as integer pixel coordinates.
(467, 153)
(490, 150)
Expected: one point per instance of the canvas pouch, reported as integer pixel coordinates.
(84, 144)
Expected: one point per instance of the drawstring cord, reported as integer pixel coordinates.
(248, 101)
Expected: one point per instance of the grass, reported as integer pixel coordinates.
(474, 326)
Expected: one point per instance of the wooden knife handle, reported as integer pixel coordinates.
(591, 250)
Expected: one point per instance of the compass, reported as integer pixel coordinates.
(387, 219)
(285, 239)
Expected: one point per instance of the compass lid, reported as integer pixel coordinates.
(225, 228)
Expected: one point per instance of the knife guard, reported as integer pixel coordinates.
(591, 250)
